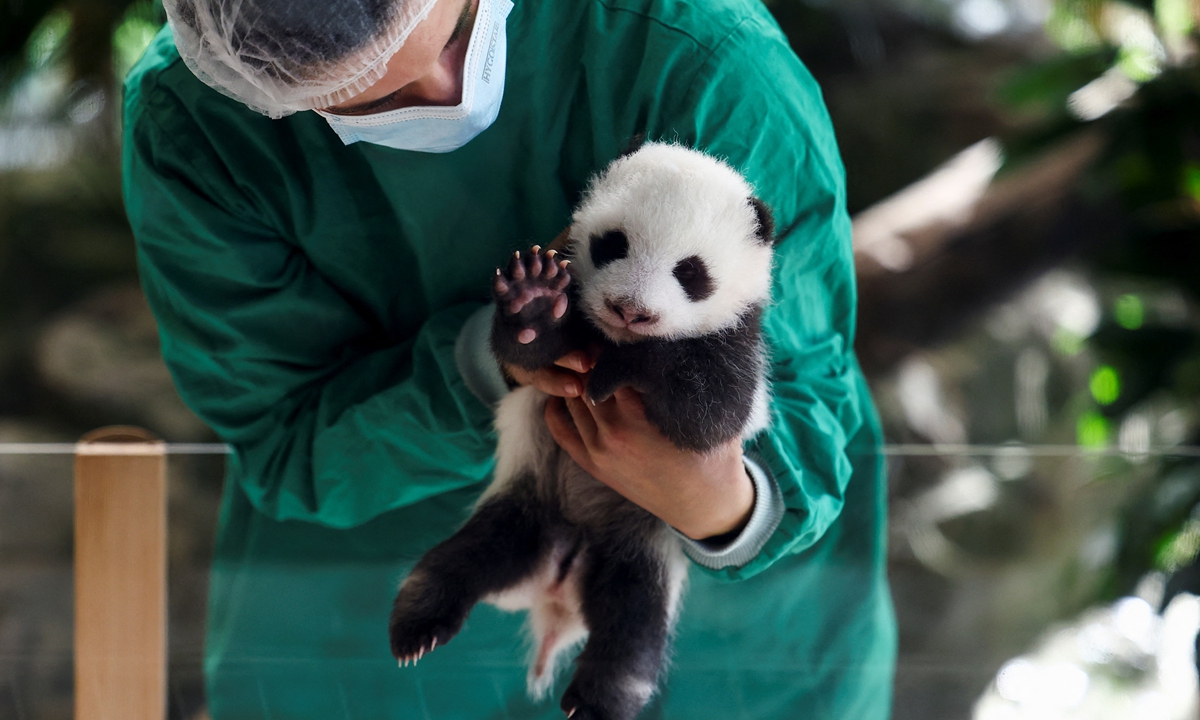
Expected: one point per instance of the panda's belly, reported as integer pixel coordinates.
(553, 586)
(526, 451)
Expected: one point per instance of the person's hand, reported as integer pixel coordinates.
(565, 379)
(702, 495)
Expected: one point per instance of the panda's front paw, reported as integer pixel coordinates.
(532, 293)
(608, 374)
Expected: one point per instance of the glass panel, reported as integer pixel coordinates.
(194, 493)
(1013, 562)
(36, 608)
(36, 577)
(1049, 562)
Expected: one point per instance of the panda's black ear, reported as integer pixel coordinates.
(635, 143)
(766, 223)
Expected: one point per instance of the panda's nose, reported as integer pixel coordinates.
(631, 314)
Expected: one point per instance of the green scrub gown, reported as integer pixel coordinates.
(309, 295)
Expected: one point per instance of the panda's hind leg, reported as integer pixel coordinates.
(532, 305)
(498, 547)
(628, 604)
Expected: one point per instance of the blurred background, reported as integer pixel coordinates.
(1025, 181)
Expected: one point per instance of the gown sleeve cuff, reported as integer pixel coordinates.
(764, 519)
(476, 363)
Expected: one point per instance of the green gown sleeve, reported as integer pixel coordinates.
(754, 104)
(329, 423)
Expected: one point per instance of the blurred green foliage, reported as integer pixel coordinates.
(96, 40)
(1132, 71)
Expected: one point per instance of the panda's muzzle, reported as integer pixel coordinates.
(629, 314)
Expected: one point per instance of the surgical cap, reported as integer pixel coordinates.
(280, 56)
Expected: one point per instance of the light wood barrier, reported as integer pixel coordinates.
(120, 576)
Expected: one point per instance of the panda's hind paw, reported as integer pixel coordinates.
(414, 637)
(578, 704)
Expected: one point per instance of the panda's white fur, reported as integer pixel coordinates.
(671, 202)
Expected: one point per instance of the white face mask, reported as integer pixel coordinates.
(437, 129)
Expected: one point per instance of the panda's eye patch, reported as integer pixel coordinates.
(612, 245)
(692, 274)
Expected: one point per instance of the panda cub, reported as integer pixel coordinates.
(670, 266)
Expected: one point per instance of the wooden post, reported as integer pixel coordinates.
(120, 576)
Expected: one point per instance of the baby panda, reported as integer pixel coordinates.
(670, 266)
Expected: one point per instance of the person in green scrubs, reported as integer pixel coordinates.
(320, 193)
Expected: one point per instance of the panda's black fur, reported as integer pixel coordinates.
(671, 262)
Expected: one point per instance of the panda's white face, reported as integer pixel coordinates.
(667, 243)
